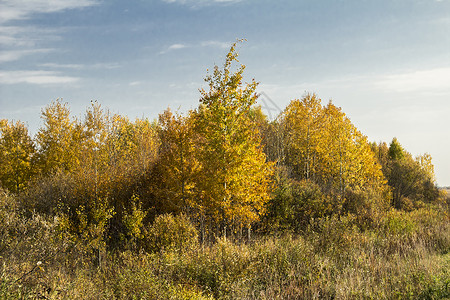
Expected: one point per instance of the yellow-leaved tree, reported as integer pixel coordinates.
(58, 140)
(16, 153)
(176, 168)
(233, 184)
(324, 148)
(351, 162)
(304, 126)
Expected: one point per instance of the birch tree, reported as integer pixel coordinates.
(233, 185)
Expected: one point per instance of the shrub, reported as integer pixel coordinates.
(295, 204)
(8, 215)
(133, 221)
(366, 205)
(170, 232)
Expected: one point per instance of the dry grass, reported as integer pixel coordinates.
(405, 257)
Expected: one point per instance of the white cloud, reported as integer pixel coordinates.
(22, 9)
(14, 37)
(218, 44)
(107, 66)
(62, 66)
(200, 1)
(211, 43)
(12, 55)
(176, 46)
(433, 80)
(19, 41)
(35, 77)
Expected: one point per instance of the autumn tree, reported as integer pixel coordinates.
(92, 171)
(233, 184)
(303, 121)
(176, 168)
(396, 151)
(412, 180)
(16, 154)
(324, 149)
(381, 151)
(57, 141)
(426, 164)
(348, 158)
(117, 154)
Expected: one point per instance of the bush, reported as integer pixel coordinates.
(366, 205)
(295, 204)
(46, 193)
(8, 215)
(170, 232)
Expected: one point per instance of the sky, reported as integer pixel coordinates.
(385, 63)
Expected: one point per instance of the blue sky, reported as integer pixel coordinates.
(386, 63)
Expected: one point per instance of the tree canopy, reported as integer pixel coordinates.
(222, 165)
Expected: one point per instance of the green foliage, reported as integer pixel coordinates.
(411, 180)
(170, 232)
(295, 204)
(398, 223)
(396, 151)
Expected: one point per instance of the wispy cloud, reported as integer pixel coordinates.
(218, 44)
(12, 55)
(19, 41)
(35, 77)
(13, 36)
(20, 37)
(211, 43)
(200, 2)
(22, 9)
(107, 66)
(135, 83)
(174, 47)
(430, 80)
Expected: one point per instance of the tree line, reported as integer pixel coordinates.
(223, 166)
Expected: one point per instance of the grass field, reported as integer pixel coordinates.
(405, 256)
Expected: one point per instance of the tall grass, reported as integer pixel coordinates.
(406, 256)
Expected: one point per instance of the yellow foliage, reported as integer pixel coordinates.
(16, 153)
(323, 145)
(234, 177)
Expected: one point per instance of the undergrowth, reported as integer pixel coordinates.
(405, 256)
